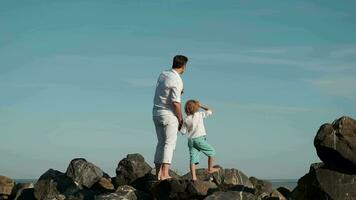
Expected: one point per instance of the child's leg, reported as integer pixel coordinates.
(194, 158)
(209, 151)
(193, 172)
(211, 168)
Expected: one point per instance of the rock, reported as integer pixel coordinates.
(83, 172)
(202, 174)
(324, 183)
(124, 193)
(231, 195)
(149, 180)
(19, 193)
(6, 186)
(83, 194)
(103, 185)
(25, 194)
(134, 171)
(336, 143)
(233, 179)
(182, 189)
(201, 188)
(171, 189)
(262, 188)
(225, 179)
(54, 185)
(285, 192)
(276, 195)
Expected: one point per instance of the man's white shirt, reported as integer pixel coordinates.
(168, 90)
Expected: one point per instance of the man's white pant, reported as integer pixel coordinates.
(166, 130)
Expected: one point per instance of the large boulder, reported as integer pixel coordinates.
(275, 195)
(231, 195)
(84, 173)
(336, 143)
(263, 188)
(225, 179)
(23, 191)
(201, 188)
(54, 185)
(6, 186)
(202, 174)
(233, 179)
(132, 170)
(171, 189)
(124, 192)
(181, 189)
(284, 191)
(325, 183)
(103, 185)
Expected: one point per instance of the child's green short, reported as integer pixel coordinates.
(197, 145)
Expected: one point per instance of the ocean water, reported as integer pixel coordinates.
(288, 183)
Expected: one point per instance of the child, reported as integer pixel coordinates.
(193, 126)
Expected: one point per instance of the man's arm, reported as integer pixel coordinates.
(177, 109)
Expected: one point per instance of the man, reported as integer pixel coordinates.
(167, 114)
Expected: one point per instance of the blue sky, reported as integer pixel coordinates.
(77, 79)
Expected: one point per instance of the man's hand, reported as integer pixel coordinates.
(180, 124)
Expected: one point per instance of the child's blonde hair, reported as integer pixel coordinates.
(191, 106)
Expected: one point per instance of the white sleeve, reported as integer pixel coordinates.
(176, 92)
(206, 113)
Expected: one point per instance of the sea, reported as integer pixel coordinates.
(287, 183)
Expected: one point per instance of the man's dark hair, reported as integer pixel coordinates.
(179, 61)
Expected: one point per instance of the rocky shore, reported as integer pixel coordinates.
(332, 179)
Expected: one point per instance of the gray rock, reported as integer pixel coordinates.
(225, 179)
(84, 173)
(20, 191)
(124, 192)
(54, 185)
(134, 171)
(182, 189)
(263, 188)
(285, 192)
(233, 179)
(201, 188)
(171, 189)
(231, 195)
(276, 195)
(25, 194)
(6, 186)
(324, 183)
(202, 174)
(103, 185)
(336, 143)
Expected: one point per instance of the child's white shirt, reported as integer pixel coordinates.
(193, 125)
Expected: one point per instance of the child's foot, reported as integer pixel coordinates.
(213, 170)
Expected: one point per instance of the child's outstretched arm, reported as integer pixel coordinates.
(207, 111)
(205, 107)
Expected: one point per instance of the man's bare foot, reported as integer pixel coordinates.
(213, 170)
(164, 178)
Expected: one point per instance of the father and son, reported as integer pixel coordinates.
(168, 120)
